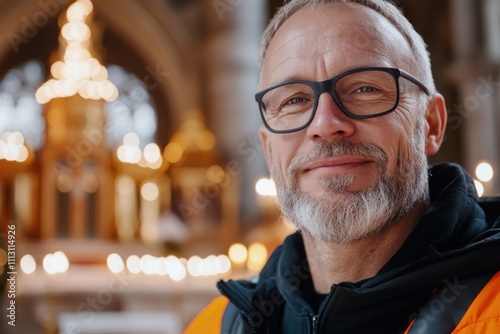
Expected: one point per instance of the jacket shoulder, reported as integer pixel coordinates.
(491, 206)
(483, 316)
(209, 320)
(461, 306)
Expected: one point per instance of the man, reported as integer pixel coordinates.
(385, 244)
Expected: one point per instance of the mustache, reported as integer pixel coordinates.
(324, 150)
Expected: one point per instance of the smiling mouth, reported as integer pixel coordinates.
(337, 164)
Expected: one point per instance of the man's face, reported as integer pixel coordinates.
(338, 163)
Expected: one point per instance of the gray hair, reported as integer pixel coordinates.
(384, 7)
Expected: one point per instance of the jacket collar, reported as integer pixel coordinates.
(452, 220)
(451, 239)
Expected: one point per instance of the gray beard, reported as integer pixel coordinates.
(346, 217)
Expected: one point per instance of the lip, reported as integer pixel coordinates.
(341, 163)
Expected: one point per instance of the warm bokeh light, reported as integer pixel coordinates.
(205, 141)
(479, 188)
(131, 139)
(209, 265)
(60, 262)
(238, 253)
(193, 266)
(175, 268)
(257, 256)
(28, 264)
(12, 147)
(64, 183)
(152, 153)
(77, 32)
(76, 12)
(155, 165)
(265, 187)
(150, 191)
(148, 264)
(86, 6)
(47, 264)
(173, 152)
(134, 264)
(222, 264)
(55, 263)
(484, 171)
(215, 174)
(160, 265)
(130, 152)
(115, 263)
(78, 72)
(151, 157)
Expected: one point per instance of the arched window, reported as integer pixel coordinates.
(133, 110)
(19, 110)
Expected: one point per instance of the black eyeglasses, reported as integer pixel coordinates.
(360, 93)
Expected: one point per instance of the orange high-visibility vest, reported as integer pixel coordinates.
(209, 320)
(481, 317)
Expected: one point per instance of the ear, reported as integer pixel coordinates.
(264, 133)
(435, 117)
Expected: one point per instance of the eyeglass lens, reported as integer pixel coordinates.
(364, 93)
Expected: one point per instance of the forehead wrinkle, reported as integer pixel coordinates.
(301, 40)
(361, 36)
(305, 40)
(373, 36)
(290, 40)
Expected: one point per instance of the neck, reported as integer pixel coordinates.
(332, 263)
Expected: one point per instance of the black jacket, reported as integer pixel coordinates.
(458, 237)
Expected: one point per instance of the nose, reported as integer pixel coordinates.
(329, 122)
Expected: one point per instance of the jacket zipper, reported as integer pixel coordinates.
(315, 317)
(315, 323)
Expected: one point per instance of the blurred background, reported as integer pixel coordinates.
(131, 173)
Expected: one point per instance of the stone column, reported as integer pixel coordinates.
(491, 11)
(475, 70)
(231, 68)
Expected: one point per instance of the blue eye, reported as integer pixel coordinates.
(366, 89)
(295, 100)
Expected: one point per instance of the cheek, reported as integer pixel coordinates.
(405, 132)
(404, 117)
(395, 137)
(281, 152)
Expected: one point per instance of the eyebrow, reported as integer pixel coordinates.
(292, 77)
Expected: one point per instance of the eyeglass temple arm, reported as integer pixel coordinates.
(417, 82)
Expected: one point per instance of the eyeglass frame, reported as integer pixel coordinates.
(320, 87)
